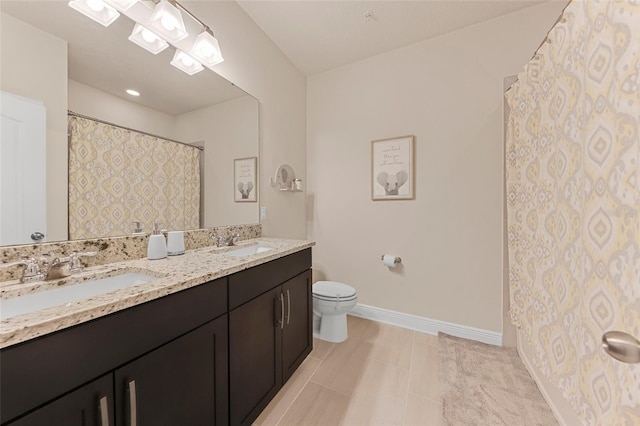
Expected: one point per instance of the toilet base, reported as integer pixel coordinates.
(333, 328)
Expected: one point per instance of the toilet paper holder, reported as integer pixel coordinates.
(395, 261)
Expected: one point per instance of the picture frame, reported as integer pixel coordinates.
(392, 169)
(244, 182)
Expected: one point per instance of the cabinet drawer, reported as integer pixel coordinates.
(245, 285)
(39, 370)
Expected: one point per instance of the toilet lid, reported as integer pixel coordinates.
(333, 289)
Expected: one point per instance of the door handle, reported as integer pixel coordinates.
(103, 410)
(37, 236)
(621, 346)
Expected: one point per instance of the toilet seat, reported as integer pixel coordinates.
(332, 290)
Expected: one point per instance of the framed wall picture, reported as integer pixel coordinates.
(392, 174)
(244, 182)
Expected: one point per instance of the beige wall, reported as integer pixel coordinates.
(41, 75)
(229, 131)
(256, 65)
(95, 103)
(448, 93)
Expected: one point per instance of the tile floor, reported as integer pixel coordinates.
(382, 375)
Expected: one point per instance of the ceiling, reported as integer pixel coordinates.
(320, 35)
(316, 35)
(105, 59)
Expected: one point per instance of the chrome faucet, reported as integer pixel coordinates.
(57, 268)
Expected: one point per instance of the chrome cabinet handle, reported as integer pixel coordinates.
(133, 405)
(281, 311)
(288, 307)
(103, 409)
(621, 346)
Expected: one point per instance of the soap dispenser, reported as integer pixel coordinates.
(157, 248)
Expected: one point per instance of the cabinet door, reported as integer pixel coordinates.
(90, 405)
(184, 382)
(255, 369)
(297, 340)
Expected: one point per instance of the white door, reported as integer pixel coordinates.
(23, 196)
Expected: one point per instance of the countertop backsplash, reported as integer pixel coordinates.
(116, 249)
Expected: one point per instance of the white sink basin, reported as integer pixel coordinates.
(71, 293)
(248, 251)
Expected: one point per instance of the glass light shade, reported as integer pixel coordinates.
(97, 10)
(186, 63)
(147, 39)
(166, 21)
(121, 5)
(206, 49)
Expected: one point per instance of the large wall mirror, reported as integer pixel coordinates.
(54, 55)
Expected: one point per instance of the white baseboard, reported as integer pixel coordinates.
(426, 325)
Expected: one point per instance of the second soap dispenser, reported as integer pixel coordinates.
(157, 248)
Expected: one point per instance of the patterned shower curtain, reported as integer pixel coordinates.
(573, 200)
(118, 176)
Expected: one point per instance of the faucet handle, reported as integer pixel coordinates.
(75, 265)
(32, 270)
(138, 227)
(217, 240)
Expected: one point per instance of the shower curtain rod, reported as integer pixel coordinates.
(75, 114)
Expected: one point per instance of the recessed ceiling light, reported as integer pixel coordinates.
(133, 92)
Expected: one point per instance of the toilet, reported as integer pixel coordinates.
(331, 302)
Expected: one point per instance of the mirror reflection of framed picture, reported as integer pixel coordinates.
(244, 182)
(392, 174)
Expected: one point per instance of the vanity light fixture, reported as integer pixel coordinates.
(157, 27)
(166, 21)
(147, 39)
(133, 92)
(206, 48)
(97, 10)
(186, 63)
(121, 5)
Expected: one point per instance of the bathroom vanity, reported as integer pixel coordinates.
(210, 343)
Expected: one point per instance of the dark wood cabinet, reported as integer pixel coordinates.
(255, 370)
(213, 354)
(50, 373)
(297, 333)
(269, 337)
(90, 405)
(182, 383)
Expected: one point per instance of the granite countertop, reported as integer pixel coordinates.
(174, 273)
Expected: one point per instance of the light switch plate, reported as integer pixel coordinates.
(263, 213)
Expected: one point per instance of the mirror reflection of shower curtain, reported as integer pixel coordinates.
(118, 176)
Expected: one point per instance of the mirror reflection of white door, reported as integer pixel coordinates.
(22, 170)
